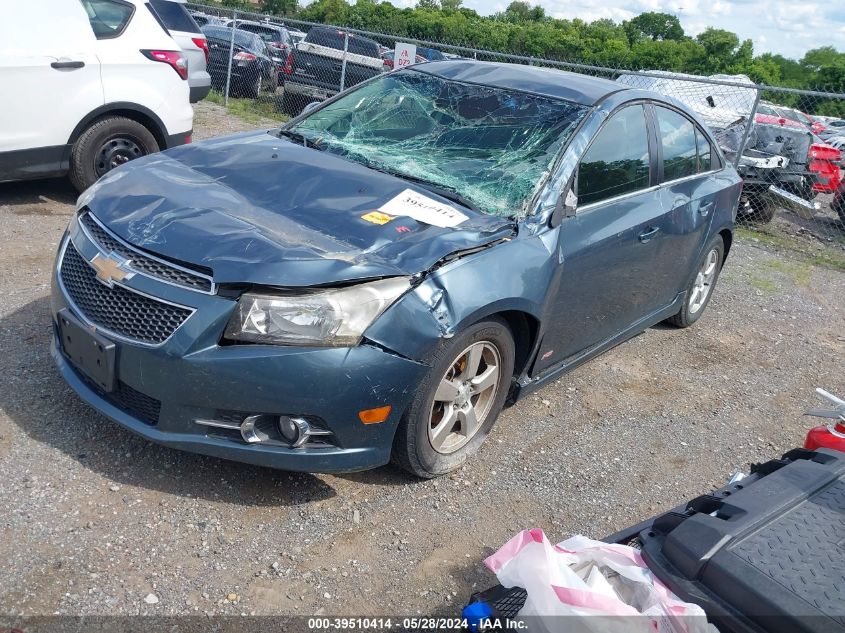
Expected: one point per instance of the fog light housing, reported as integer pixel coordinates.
(296, 431)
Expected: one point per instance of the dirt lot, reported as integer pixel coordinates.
(95, 519)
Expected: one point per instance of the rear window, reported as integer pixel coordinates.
(243, 39)
(333, 38)
(677, 134)
(108, 17)
(174, 16)
(265, 33)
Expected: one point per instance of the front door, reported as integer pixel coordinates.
(610, 246)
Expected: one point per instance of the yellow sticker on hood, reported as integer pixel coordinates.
(377, 217)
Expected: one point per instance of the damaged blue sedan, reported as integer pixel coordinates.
(375, 280)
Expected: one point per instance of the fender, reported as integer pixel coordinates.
(457, 294)
(142, 115)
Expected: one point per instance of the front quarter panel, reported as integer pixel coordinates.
(513, 275)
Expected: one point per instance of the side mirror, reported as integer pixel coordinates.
(565, 208)
(310, 106)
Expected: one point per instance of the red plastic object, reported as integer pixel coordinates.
(288, 68)
(826, 436)
(824, 161)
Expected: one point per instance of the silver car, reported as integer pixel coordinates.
(176, 20)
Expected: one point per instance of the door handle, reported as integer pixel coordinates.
(67, 64)
(645, 237)
(706, 207)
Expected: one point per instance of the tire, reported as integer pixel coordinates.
(254, 89)
(838, 203)
(413, 447)
(105, 145)
(759, 208)
(693, 306)
(291, 105)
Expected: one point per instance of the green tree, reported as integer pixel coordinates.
(280, 7)
(719, 49)
(656, 26)
(522, 11)
(819, 58)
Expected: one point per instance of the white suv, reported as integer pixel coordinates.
(88, 86)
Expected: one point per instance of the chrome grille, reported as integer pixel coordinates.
(117, 309)
(144, 264)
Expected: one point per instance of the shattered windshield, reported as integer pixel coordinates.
(491, 146)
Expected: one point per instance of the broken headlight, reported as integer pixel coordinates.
(334, 317)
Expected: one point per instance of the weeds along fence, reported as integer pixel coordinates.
(793, 194)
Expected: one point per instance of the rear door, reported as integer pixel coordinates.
(51, 78)
(610, 246)
(689, 194)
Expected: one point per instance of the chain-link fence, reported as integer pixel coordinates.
(789, 159)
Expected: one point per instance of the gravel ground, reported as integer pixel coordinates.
(98, 521)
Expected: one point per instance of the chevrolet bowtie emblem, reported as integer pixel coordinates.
(111, 268)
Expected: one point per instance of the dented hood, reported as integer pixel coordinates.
(255, 208)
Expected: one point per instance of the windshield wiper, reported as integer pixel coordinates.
(440, 190)
(300, 138)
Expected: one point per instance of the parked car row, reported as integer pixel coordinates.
(310, 65)
(254, 65)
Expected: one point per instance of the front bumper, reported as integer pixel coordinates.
(191, 377)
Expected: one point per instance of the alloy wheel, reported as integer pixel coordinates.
(464, 397)
(704, 281)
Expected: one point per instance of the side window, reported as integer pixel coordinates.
(617, 162)
(108, 17)
(705, 152)
(677, 135)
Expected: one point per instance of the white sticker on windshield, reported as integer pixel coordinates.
(423, 209)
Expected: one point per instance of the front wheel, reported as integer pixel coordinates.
(701, 287)
(458, 402)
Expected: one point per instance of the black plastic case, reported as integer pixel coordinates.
(766, 554)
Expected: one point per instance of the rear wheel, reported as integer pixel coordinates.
(254, 88)
(292, 105)
(838, 203)
(701, 287)
(107, 144)
(458, 403)
(758, 208)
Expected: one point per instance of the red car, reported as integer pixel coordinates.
(816, 127)
(769, 115)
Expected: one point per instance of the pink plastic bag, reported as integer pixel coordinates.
(586, 579)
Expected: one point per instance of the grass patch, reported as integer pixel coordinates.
(799, 271)
(832, 257)
(763, 284)
(253, 111)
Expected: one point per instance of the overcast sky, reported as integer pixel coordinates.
(788, 27)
